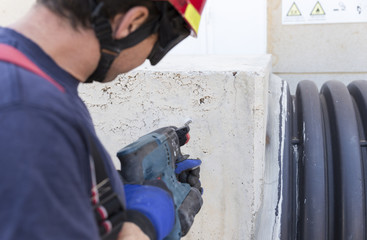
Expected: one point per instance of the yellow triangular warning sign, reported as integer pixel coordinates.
(294, 11)
(317, 10)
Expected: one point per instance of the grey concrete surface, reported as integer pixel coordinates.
(268, 220)
(227, 99)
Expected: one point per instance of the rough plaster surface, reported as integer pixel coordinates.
(227, 99)
(268, 221)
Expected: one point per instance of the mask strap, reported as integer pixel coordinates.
(111, 48)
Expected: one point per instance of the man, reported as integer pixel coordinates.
(48, 145)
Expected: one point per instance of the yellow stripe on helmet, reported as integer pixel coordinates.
(193, 17)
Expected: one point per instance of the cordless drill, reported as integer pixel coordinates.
(154, 156)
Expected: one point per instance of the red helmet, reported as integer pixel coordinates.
(191, 11)
(173, 28)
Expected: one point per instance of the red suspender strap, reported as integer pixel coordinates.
(14, 56)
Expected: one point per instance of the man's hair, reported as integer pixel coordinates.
(78, 11)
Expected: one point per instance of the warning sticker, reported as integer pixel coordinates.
(317, 10)
(323, 11)
(294, 11)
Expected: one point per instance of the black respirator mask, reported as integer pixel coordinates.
(172, 30)
(168, 23)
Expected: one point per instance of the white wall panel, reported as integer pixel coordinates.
(231, 27)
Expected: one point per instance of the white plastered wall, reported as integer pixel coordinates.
(227, 99)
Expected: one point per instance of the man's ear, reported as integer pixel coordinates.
(125, 23)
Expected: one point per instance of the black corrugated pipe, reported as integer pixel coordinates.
(324, 168)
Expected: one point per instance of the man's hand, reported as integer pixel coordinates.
(131, 231)
(151, 208)
(188, 171)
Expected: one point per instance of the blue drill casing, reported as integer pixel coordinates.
(154, 156)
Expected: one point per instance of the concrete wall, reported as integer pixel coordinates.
(316, 52)
(270, 216)
(227, 100)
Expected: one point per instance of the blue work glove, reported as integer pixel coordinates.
(151, 207)
(188, 171)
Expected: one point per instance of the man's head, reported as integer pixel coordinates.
(131, 29)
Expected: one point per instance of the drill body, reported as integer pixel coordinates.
(154, 156)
